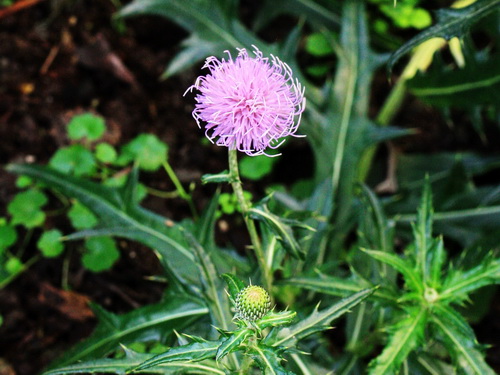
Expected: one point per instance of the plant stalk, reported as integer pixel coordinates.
(250, 224)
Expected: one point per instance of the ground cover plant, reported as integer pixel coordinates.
(400, 266)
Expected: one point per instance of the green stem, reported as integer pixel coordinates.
(252, 230)
(180, 189)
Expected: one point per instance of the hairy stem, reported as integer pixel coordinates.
(250, 224)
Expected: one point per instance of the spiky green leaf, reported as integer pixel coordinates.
(317, 321)
(142, 324)
(233, 342)
(407, 334)
(451, 23)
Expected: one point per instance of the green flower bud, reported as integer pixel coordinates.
(252, 303)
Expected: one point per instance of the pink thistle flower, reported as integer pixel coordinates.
(249, 103)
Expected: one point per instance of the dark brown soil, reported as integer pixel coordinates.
(49, 72)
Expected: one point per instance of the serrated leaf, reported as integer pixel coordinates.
(463, 348)
(269, 360)
(337, 286)
(422, 232)
(451, 23)
(459, 284)
(234, 284)
(317, 321)
(275, 319)
(143, 324)
(408, 333)
(86, 125)
(233, 342)
(50, 243)
(213, 289)
(281, 228)
(194, 352)
(133, 359)
(25, 208)
(412, 278)
(124, 218)
(476, 84)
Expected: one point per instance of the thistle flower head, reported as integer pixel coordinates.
(252, 303)
(249, 103)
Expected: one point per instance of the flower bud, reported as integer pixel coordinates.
(252, 303)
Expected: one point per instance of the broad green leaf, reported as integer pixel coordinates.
(105, 153)
(463, 348)
(146, 150)
(25, 208)
(133, 359)
(451, 23)
(317, 321)
(412, 278)
(74, 159)
(121, 216)
(81, 217)
(143, 324)
(337, 286)
(100, 254)
(194, 352)
(13, 266)
(406, 335)
(86, 125)
(459, 284)
(50, 243)
(234, 284)
(8, 237)
(269, 360)
(233, 342)
(23, 182)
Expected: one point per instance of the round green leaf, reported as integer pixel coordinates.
(105, 153)
(50, 243)
(256, 167)
(146, 150)
(13, 266)
(25, 208)
(86, 125)
(8, 236)
(101, 254)
(23, 182)
(318, 45)
(81, 217)
(73, 159)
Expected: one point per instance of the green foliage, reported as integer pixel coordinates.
(74, 159)
(8, 235)
(86, 125)
(100, 253)
(50, 243)
(146, 150)
(335, 238)
(25, 208)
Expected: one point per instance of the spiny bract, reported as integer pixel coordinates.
(252, 303)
